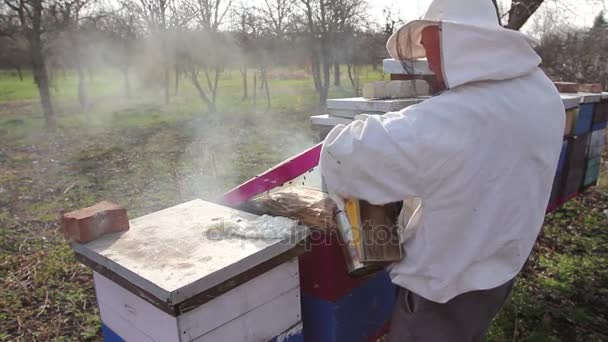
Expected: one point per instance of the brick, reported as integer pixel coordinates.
(566, 87)
(87, 224)
(590, 88)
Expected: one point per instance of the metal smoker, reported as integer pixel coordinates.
(370, 236)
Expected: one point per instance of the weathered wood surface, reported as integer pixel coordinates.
(169, 255)
(313, 208)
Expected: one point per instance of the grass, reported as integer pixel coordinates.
(149, 155)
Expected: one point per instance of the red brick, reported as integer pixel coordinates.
(87, 224)
(590, 88)
(566, 87)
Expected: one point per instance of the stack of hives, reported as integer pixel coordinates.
(584, 140)
(379, 97)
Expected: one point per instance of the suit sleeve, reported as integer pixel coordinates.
(376, 160)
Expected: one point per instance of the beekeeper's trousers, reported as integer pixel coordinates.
(462, 319)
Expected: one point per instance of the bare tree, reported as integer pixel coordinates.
(160, 16)
(120, 31)
(13, 47)
(244, 28)
(324, 21)
(207, 58)
(277, 16)
(29, 18)
(69, 19)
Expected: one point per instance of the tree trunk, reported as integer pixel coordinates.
(41, 76)
(213, 107)
(199, 88)
(255, 90)
(326, 66)
(521, 11)
(166, 79)
(18, 69)
(82, 88)
(245, 88)
(176, 79)
(165, 62)
(353, 76)
(337, 82)
(42, 82)
(264, 76)
(127, 81)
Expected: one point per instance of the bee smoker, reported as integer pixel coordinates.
(369, 233)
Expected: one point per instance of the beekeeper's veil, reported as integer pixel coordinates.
(472, 40)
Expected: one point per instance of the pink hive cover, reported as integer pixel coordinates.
(277, 176)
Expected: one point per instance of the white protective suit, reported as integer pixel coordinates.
(481, 157)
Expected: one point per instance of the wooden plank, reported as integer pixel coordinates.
(329, 120)
(121, 327)
(416, 67)
(366, 106)
(239, 301)
(350, 113)
(261, 324)
(131, 309)
(168, 255)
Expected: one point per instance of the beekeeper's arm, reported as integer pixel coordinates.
(376, 159)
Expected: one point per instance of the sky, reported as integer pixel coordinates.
(576, 12)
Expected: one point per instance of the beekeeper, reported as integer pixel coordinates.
(474, 165)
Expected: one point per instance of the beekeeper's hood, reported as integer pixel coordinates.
(474, 46)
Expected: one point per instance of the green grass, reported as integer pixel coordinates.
(149, 155)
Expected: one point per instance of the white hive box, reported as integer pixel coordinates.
(164, 280)
(417, 67)
(571, 100)
(590, 97)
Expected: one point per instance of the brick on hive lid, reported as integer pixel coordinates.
(567, 87)
(590, 88)
(88, 224)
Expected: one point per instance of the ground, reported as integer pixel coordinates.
(149, 155)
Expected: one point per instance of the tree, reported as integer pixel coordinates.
(521, 11)
(29, 19)
(209, 55)
(13, 47)
(160, 16)
(70, 17)
(120, 32)
(324, 21)
(600, 20)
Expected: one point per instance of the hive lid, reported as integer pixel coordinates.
(571, 100)
(590, 97)
(329, 120)
(168, 255)
(363, 105)
(419, 67)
